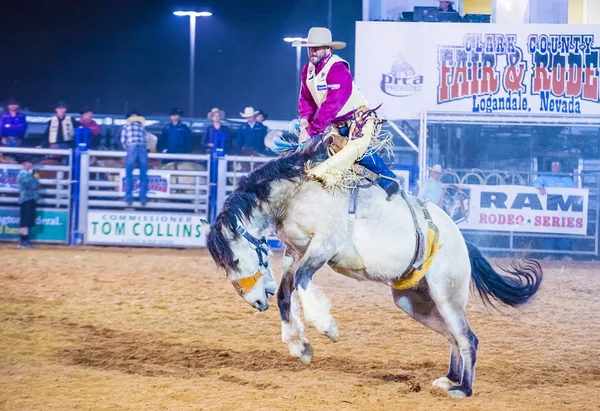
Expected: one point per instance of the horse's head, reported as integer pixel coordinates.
(245, 258)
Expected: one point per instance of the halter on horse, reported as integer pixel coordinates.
(378, 244)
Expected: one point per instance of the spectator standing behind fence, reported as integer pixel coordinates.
(432, 189)
(134, 140)
(554, 180)
(28, 198)
(216, 137)
(13, 125)
(176, 137)
(87, 121)
(61, 128)
(251, 135)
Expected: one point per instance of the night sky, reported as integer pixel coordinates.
(106, 53)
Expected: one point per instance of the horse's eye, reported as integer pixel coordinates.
(236, 261)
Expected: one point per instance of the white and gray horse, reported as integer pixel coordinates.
(377, 244)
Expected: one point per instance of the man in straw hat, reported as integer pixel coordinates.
(432, 189)
(251, 134)
(134, 139)
(216, 137)
(446, 6)
(329, 96)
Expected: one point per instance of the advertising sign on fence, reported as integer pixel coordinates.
(479, 68)
(8, 178)
(145, 228)
(518, 208)
(159, 182)
(50, 225)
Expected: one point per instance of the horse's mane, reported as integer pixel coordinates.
(252, 190)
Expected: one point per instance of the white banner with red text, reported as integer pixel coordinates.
(518, 209)
(478, 68)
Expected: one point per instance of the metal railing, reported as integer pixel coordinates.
(54, 169)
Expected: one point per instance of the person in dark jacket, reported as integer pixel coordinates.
(251, 135)
(60, 132)
(13, 125)
(28, 198)
(176, 137)
(217, 136)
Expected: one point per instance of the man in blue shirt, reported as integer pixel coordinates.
(554, 180)
(176, 137)
(251, 135)
(13, 125)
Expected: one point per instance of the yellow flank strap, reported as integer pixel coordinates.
(244, 285)
(413, 277)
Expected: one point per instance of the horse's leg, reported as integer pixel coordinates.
(417, 303)
(292, 329)
(449, 288)
(315, 303)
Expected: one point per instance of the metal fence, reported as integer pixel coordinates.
(54, 168)
(514, 242)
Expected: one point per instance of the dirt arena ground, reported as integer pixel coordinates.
(109, 328)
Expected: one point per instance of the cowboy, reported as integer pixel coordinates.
(134, 140)
(261, 116)
(176, 137)
(216, 136)
(251, 135)
(432, 189)
(446, 6)
(13, 125)
(28, 198)
(86, 121)
(329, 96)
(61, 128)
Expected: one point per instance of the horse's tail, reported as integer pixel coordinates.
(514, 288)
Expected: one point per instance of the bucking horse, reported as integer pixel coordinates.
(415, 248)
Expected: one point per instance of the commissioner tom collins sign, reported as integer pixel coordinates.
(479, 68)
(518, 208)
(145, 229)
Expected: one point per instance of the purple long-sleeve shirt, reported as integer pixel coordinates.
(339, 82)
(13, 126)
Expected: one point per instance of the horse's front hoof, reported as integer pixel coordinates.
(332, 332)
(459, 392)
(306, 354)
(444, 383)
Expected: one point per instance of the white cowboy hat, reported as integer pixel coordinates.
(436, 169)
(319, 37)
(214, 111)
(249, 112)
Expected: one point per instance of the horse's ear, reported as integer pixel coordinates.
(205, 226)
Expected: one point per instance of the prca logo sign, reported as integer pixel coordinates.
(402, 80)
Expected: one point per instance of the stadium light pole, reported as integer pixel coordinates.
(298, 58)
(192, 15)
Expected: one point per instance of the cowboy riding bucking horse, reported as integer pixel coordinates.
(329, 96)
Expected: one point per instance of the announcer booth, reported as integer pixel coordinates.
(53, 168)
(495, 105)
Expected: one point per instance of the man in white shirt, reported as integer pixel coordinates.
(432, 189)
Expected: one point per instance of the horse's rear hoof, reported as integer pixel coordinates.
(459, 392)
(444, 383)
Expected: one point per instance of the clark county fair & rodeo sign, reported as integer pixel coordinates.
(479, 68)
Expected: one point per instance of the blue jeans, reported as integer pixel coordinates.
(137, 153)
(375, 164)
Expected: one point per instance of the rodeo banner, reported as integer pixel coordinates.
(517, 208)
(479, 68)
(145, 229)
(50, 225)
(159, 183)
